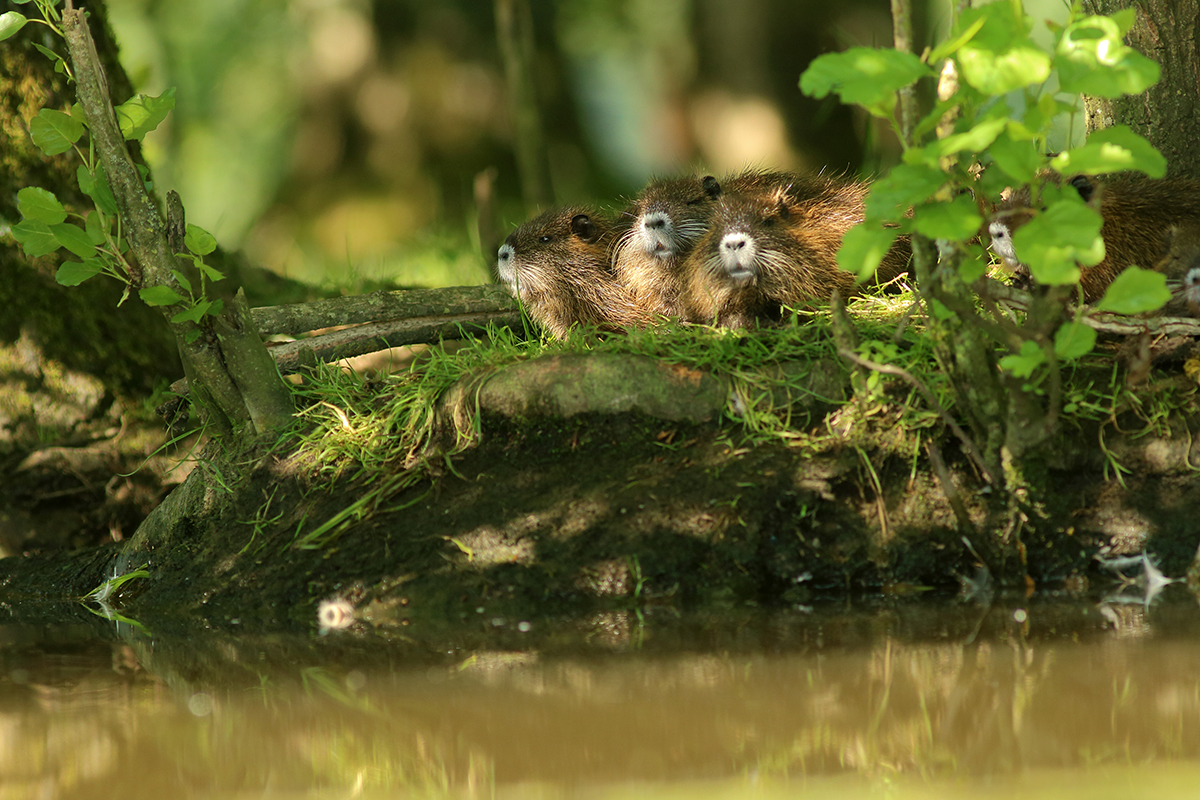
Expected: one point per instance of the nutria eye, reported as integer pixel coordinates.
(546, 239)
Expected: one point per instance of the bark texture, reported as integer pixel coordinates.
(1167, 114)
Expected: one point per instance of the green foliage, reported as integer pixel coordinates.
(46, 225)
(936, 191)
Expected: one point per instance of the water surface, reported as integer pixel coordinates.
(1033, 698)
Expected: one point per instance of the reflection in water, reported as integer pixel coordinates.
(920, 701)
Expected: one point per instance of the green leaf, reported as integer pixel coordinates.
(211, 273)
(1055, 241)
(956, 220)
(73, 273)
(863, 249)
(85, 179)
(74, 238)
(867, 76)
(160, 296)
(1016, 158)
(216, 307)
(1001, 57)
(193, 314)
(1135, 291)
(101, 193)
(141, 114)
(947, 49)
(1025, 363)
(905, 186)
(39, 204)
(199, 241)
(35, 237)
(1074, 340)
(54, 132)
(976, 140)
(1114, 149)
(95, 228)
(183, 281)
(10, 23)
(50, 54)
(1093, 59)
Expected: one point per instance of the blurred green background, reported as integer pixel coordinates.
(338, 141)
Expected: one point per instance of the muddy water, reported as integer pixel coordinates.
(1025, 697)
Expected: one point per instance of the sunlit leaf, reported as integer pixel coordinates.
(10, 23)
(199, 241)
(864, 75)
(863, 249)
(1001, 57)
(905, 186)
(1135, 291)
(54, 132)
(956, 220)
(1018, 159)
(36, 203)
(976, 140)
(141, 114)
(1093, 59)
(1114, 149)
(1055, 241)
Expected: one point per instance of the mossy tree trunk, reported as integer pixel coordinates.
(1167, 114)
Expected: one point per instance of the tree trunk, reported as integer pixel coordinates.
(1167, 114)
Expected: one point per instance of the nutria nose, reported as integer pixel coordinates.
(735, 242)
(506, 252)
(657, 221)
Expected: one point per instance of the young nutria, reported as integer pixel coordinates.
(558, 266)
(1137, 213)
(775, 247)
(1181, 266)
(665, 221)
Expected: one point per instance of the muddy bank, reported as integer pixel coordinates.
(617, 483)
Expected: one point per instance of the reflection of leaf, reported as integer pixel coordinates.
(1136, 291)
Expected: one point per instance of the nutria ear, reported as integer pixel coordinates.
(1084, 186)
(583, 227)
(711, 186)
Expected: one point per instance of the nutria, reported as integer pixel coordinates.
(558, 266)
(774, 247)
(1181, 266)
(663, 224)
(1137, 213)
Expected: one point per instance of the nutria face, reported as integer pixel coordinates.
(670, 216)
(1002, 244)
(533, 257)
(744, 240)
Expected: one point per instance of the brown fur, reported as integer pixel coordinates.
(795, 231)
(1137, 213)
(558, 265)
(1181, 266)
